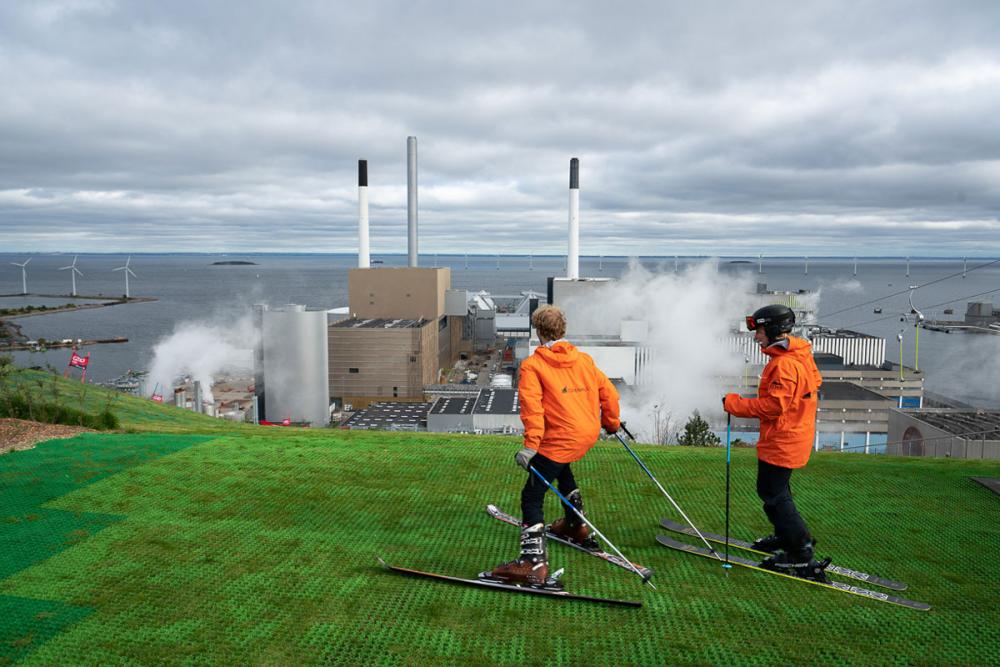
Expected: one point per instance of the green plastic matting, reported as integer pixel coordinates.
(260, 549)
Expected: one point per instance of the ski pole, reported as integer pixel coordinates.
(729, 432)
(645, 577)
(664, 491)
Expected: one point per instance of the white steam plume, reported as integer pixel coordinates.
(969, 369)
(203, 350)
(690, 316)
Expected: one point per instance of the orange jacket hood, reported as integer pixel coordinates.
(801, 351)
(561, 355)
(565, 399)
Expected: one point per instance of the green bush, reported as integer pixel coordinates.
(17, 405)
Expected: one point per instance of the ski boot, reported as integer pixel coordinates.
(798, 563)
(768, 544)
(531, 568)
(571, 528)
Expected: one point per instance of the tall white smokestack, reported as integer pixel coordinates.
(411, 199)
(364, 258)
(573, 256)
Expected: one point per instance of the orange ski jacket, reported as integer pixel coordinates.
(565, 400)
(785, 404)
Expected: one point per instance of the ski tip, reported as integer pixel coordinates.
(381, 562)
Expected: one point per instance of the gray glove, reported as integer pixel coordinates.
(524, 457)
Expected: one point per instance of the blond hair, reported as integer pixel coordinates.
(550, 322)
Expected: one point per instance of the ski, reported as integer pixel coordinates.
(547, 591)
(835, 585)
(832, 569)
(614, 559)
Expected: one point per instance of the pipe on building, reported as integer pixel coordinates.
(573, 255)
(364, 258)
(411, 199)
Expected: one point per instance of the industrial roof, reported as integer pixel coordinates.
(497, 402)
(454, 405)
(389, 414)
(355, 323)
(960, 422)
(839, 333)
(513, 322)
(848, 391)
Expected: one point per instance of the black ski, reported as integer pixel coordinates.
(548, 591)
(832, 569)
(835, 585)
(614, 559)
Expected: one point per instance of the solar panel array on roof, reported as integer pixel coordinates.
(962, 422)
(454, 405)
(379, 324)
(390, 415)
(498, 401)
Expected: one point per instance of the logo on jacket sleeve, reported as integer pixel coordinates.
(574, 390)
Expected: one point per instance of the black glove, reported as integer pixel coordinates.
(524, 456)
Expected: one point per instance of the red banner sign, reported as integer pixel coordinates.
(79, 362)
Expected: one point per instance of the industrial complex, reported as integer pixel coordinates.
(409, 352)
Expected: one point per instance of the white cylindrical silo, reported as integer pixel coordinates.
(295, 364)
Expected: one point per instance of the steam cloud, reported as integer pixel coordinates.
(690, 314)
(203, 350)
(970, 368)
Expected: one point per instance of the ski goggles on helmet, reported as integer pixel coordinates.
(752, 323)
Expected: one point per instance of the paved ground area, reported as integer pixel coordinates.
(990, 483)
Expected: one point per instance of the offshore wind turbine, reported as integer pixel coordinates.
(127, 272)
(24, 275)
(73, 271)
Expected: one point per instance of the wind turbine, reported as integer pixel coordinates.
(128, 271)
(73, 272)
(24, 275)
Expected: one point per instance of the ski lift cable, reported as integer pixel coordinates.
(904, 291)
(935, 305)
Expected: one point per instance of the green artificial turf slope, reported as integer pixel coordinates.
(261, 550)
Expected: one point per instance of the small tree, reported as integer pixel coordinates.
(697, 434)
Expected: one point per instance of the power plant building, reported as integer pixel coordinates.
(398, 339)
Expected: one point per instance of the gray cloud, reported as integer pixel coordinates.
(732, 127)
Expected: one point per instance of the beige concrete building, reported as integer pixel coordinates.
(376, 360)
(398, 338)
(404, 293)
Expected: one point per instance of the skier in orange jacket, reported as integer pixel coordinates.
(565, 400)
(786, 406)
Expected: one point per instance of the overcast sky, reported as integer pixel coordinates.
(819, 128)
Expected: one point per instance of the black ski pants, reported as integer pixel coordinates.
(534, 490)
(774, 488)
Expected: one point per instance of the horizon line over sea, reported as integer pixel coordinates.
(748, 257)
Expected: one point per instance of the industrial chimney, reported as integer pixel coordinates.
(411, 199)
(573, 256)
(364, 260)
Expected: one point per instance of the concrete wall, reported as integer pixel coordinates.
(450, 423)
(390, 363)
(910, 436)
(404, 293)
